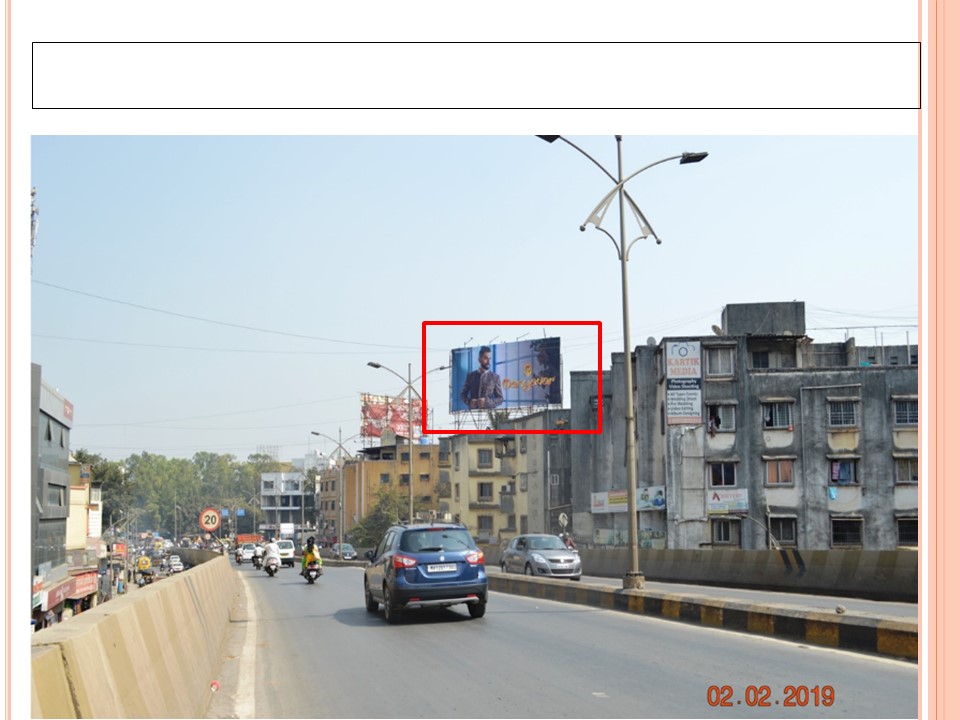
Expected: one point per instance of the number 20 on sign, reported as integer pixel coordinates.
(209, 519)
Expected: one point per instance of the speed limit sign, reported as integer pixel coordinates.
(209, 519)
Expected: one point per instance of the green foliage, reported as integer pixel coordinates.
(497, 418)
(384, 514)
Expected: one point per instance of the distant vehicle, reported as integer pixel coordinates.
(287, 551)
(246, 551)
(540, 555)
(431, 565)
(175, 565)
(348, 552)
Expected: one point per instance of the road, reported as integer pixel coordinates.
(314, 652)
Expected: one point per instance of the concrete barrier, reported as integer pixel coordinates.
(873, 574)
(150, 653)
(850, 631)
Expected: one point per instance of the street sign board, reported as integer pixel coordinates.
(209, 519)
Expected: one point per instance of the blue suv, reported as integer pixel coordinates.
(428, 565)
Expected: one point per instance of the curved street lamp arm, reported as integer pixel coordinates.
(339, 444)
(588, 157)
(596, 217)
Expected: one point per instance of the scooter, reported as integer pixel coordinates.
(271, 566)
(239, 556)
(312, 571)
(257, 562)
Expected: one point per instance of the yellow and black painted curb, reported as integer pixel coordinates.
(849, 631)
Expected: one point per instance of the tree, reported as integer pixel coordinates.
(368, 532)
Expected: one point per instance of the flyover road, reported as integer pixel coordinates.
(313, 651)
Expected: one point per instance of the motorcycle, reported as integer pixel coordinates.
(312, 571)
(271, 566)
(257, 562)
(239, 556)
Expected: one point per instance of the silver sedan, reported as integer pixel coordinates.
(540, 555)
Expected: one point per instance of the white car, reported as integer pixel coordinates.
(175, 564)
(286, 552)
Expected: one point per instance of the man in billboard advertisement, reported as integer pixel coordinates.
(482, 389)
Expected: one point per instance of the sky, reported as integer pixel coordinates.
(225, 293)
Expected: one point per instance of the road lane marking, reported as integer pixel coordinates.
(244, 703)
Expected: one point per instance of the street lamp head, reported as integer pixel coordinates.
(549, 138)
(314, 432)
(692, 157)
(374, 365)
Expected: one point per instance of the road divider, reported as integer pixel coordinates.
(848, 631)
(150, 653)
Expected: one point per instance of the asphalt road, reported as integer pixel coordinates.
(313, 651)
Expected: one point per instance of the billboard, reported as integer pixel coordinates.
(379, 412)
(684, 390)
(525, 373)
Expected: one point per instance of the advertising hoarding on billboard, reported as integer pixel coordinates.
(379, 412)
(525, 373)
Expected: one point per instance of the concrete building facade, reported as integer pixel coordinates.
(757, 437)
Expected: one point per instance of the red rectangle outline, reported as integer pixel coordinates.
(423, 379)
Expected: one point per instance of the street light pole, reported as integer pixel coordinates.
(341, 493)
(410, 391)
(633, 577)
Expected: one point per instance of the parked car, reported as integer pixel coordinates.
(425, 565)
(541, 555)
(286, 552)
(348, 552)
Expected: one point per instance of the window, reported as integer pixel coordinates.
(905, 412)
(843, 472)
(720, 360)
(784, 530)
(424, 477)
(405, 478)
(721, 418)
(384, 478)
(268, 484)
(484, 458)
(523, 443)
(456, 492)
(485, 524)
(907, 470)
(511, 523)
(777, 415)
(485, 491)
(96, 494)
(425, 455)
(725, 532)
(56, 496)
(723, 474)
(523, 482)
(843, 413)
(405, 457)
(779, 471)
(456, 461)
(907, 532)
(847, 532)
(761, 359)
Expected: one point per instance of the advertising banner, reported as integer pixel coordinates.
(684, 390)
(518, 374)
(652, 498)
(728, 502)
(615, 501)
(379, 412)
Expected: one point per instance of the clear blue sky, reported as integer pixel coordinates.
(225, 293)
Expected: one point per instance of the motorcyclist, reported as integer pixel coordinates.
(311, 553)
(271, 552)
(258, 555)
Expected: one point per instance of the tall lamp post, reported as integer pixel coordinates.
(341, 492)
(633, 578)
(410, 391)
